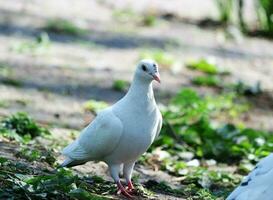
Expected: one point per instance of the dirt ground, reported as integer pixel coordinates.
(73, 69)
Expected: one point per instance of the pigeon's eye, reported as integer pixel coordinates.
(144, 68)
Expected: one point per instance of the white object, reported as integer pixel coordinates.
(120, 134)
(258, 184)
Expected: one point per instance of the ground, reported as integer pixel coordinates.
(52, 82)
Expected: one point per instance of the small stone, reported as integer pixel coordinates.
(193, 163)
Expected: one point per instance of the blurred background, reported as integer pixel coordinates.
(63, 61)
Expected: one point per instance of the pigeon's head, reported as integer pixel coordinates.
(148, 70)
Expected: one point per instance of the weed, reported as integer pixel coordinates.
(225, 10)
(120, 85)
(39, 46)
(11, 82)
(149, 20)
(4, 104)
(189, 119)
(203, 65)
(21, 127)
(94, 106)
(206, 80)
(265, 13)
(62, 26)
(124, 15)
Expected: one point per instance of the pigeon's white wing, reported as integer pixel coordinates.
(159, 125)
(258, 184)
(98, 139)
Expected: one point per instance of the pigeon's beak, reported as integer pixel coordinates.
(156, 77)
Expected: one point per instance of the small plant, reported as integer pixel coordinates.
(5, 70)
(206, 80)
(4, 104)
(11, 82)
(62, 26)
(120, 85)
(94, 106)
(265, 15)
(203, 65)
(21, 127)
(125, 15)
(189, 118)
(149, 20)
(36, 153)
(40, 45)
(225, 8)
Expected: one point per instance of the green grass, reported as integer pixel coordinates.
(12, 82)
(129, 16)
(4, 104)
(203, 65)
(21, 127)
(206, 80)
(38, 46)
(94, 106)
(190, 118)
(120, 85)
(149, 20)
(62, 26)
(265, 13)
(225, 9)
(62, 184)
(125, 15)
(5, 70)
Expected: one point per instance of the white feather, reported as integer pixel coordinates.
(258, 184)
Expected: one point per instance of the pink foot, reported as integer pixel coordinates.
(123, 191)
(130, 188)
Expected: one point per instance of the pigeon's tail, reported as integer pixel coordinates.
(71, 163)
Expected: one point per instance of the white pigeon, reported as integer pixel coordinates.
(258, 184)
(121, 133)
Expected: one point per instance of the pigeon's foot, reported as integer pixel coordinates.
(130, 188)
(123, 191)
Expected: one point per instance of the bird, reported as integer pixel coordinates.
(258, 184)
(121, 133)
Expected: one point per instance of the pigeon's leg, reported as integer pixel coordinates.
(114, 170)
(127, 171)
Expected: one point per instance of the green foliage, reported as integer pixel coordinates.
(120, 85)
(206, 80)
(4, 104)
(225, 10)
(128, 15)
(189, 118)
(94, 106)
(163, 187)
(149, 20)
(5, 70)
(244, 89)
(37, 153)
(265, 14)
(11, 82)
(62, 26)
(21, 127)
(38, 46)
(18, 182)
(203, 65)
(125, 15)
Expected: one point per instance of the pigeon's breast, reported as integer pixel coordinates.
(139, 131)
